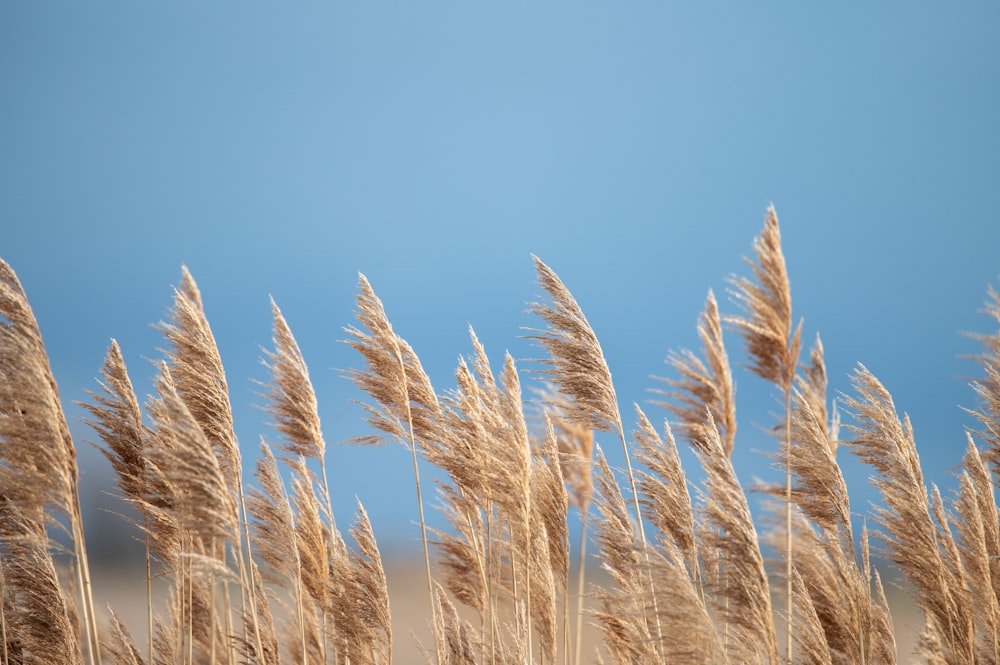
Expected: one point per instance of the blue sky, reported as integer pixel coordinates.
(434, 146)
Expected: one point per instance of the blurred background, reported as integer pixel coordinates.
(433, 146)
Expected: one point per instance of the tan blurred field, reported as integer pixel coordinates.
(123, 589)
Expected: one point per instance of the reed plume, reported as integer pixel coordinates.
(275, 535)
(728, 532)
(623, 614)
(988, 387)
(291, 399)
(810, 638)
(576, 360)
(579, 370)
(550, 503)
(575, 446)
(183, 455)
(498, 483)
(199, 380)
(322, 569)
(979, 541)
(705, 392)
(525, 538)
(844, 616)
(370, 632)
(38, 476)
(818, 487)
(406, 407)
(200, 509)
(264, 647)
(766, 301)
(689, 632)
(475, 456)
(915, 544)
(841, 602)
(40, 621)
(666, 499)
(703, 384)
(122, 647)
(577, 366)
(833, 594)
(117, 419)
(454, 641)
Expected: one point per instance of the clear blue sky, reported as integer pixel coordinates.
(434, 146)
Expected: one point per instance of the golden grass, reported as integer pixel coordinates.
(258, 572)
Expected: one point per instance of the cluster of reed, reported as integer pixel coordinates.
(259, 572)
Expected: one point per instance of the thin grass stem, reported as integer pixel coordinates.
(580, 575)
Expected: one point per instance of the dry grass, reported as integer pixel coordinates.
(258, 571)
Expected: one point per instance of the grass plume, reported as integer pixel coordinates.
(38, 475)
(704, 384)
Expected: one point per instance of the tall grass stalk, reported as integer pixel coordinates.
(395, 379)
(773, 347)
(578, 368)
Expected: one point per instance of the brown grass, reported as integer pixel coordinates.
(258, 572)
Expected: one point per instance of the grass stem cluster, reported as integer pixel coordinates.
(257, 571)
